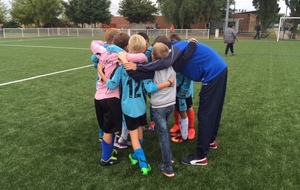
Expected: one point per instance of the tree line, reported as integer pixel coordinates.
(60, 13)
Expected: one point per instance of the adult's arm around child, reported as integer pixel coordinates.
(186, 56)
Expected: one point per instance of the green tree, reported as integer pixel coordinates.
(180, 13)
(100, 11)
(3, 12)
(267, 11)
(48, 11)
(138, 11)
(71, 11)
(215, 10)
(88, 11)
(36, 12)
(23, 11)
(294, 6)
(184, 13)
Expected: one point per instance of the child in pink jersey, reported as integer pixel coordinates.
(107, 102)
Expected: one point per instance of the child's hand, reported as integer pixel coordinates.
(130, 66)
(193, 40)
(172, 81)
(123, 56)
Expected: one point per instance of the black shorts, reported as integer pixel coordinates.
(134, 123)
(109, 114)
(183, 104)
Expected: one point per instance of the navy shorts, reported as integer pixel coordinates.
(134, 123)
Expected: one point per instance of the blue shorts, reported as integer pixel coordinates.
(183, 104)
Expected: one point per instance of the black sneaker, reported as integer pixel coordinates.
(111, 161)
(166, 170)
(193, 159)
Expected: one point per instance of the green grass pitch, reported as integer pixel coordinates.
(49, 133)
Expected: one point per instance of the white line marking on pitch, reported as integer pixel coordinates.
(39, 76)
(50, 47)
(38, 39)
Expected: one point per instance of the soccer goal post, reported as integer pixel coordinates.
(287, 28)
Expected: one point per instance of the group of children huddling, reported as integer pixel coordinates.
(120, 100)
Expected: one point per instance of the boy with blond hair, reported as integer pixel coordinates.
(134, 101)
(107, 102)
(162, 103)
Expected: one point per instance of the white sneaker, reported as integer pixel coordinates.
(119, 146)
(122, 141)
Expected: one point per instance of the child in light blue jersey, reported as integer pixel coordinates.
(148, 54)
(133, 102)
(184, 115)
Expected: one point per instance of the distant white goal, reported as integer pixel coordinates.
(288, 28)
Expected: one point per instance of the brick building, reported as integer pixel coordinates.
(247, 20)
(120, 22)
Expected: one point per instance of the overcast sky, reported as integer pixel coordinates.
(240, 4)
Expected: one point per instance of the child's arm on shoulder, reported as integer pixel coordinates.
(97, 48)
(137, 57)
(146, 66)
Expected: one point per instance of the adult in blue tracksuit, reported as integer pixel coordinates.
(205, 66)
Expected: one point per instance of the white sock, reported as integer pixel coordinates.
(184, 125)
(124, 133)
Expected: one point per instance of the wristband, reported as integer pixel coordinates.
(170, 83)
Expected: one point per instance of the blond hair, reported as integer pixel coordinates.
(160, 51)
(137, 44)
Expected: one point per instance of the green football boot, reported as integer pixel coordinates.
(132, 160)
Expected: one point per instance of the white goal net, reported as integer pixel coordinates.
(288, 28)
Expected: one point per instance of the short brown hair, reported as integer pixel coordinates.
(145, 36)
(110, 34)
(163, 39)
(174, 37)
(121, 39)
(160, 51)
